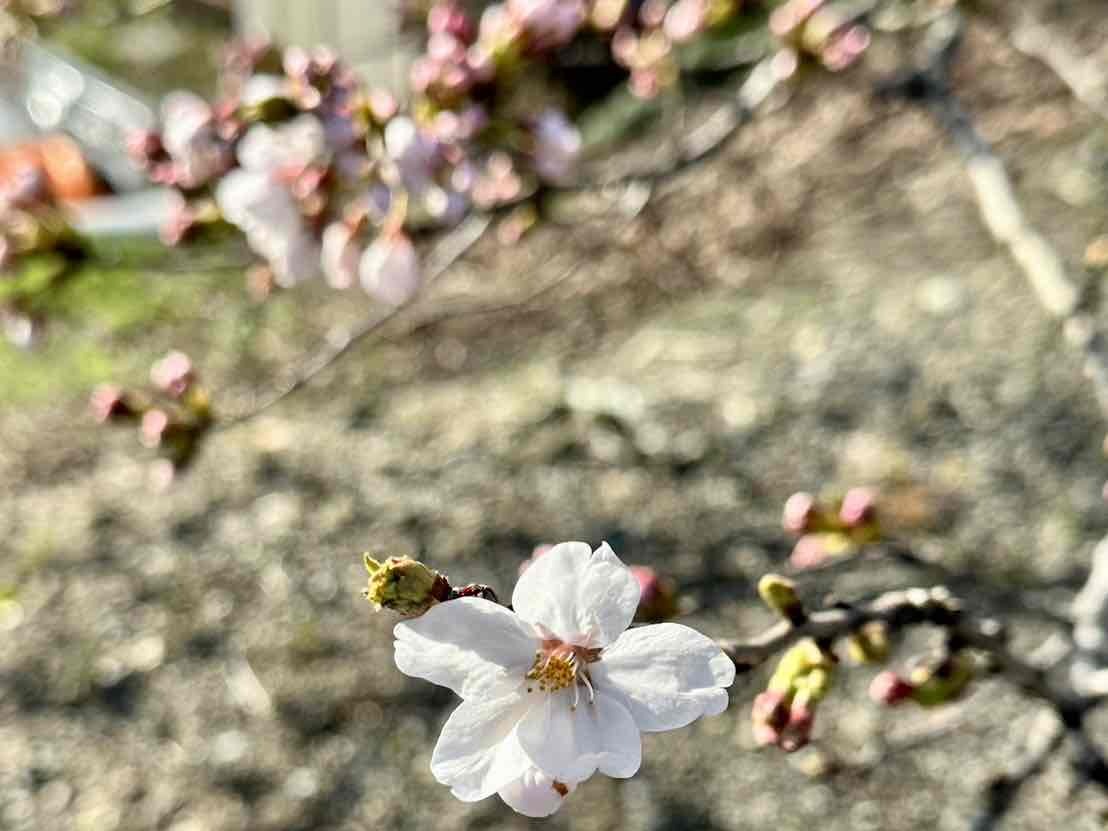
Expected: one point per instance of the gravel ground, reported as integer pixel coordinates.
(820, 306)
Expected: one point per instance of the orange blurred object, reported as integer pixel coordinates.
(69, 177)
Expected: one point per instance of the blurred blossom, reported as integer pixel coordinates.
(108, 402)
(181, 221)
(190, 140)
(549, 23)
(890, 689)
(648, 57)
(26, 187)
(557, 146)
(801, 513)
(155, 423)
(390, 269)
(340, 255)
(173, 374)
(685, 19)
(657, 595)
(498, 182)
(258, 200)
(263, 88)
(450, 18)
(859, 507)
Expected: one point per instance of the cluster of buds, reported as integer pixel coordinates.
(658, 595)
(824, 30)
(646, 42)
(784, 714)
(830, 529)
(930, 683)
(326, 177)
(172, 417)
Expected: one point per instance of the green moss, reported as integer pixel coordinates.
(104, 323)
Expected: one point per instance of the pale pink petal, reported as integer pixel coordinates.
(535, 794)
(477, 753)
(469, 645)
(339, 255)
(390, 270)
(582, 597)
(667, 675)
(570, 743)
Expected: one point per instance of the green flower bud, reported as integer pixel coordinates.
(869, 644)
(798, 661)
(779, 593)
(948, 681)
(404, 585)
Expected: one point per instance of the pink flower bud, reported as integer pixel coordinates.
(657, 595)
(890, 689)
(144, 146)
(771, 707)
(340, 255)
(685, 19)
(800, 511)
(154, 425)
(798, 731)
(845, 47)
(108, 403)
(858, 507)
(809, 552)
(548, 23)
(173, 374)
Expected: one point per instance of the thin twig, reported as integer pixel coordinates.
(449, 251)
(1060, 294)
(705, 141)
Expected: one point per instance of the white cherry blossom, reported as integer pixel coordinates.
(560, 688)
(256, 198)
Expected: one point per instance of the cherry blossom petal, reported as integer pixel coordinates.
(571, 743)
(583, 597)
(477, 753)
(535, 794)
(468, 645)
(390, 270)
(667, 675)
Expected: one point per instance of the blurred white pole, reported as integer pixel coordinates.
(364, 32)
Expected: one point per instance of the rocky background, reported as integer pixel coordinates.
(818, 306)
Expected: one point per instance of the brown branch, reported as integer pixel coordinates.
(897, 610)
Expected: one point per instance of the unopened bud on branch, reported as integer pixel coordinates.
(404, 585)
(779, 594)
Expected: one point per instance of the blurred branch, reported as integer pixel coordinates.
(1057, 290)
(705, 141)
(452, 248)
(1086, 78)
(1061, 296)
